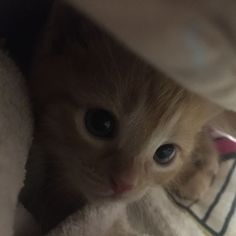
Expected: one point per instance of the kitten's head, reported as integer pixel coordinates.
(112, 125)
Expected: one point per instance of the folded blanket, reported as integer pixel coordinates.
(191, 41)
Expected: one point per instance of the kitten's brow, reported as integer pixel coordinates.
(114, 62)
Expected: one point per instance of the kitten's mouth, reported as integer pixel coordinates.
(120, 187)
(125, 192)
(112, 192)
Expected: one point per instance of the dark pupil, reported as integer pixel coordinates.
(100, 123)
(165, 153)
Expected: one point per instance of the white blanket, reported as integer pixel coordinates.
(15, 139)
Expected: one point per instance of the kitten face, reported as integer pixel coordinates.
(106, 116)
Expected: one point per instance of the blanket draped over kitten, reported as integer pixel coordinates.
(191, 41)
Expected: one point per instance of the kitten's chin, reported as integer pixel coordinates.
(127, 197)
(100, 192)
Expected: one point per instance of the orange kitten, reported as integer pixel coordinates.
(108, 126)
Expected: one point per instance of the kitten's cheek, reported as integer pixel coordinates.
(147, 167)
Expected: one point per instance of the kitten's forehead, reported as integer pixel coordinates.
(146, 104)
(143, 100)
(116, 80)
(111, 76)
(104, 74)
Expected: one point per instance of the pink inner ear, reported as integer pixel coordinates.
(225, 145)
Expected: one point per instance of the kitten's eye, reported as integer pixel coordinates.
(100, 123)
(165, 154)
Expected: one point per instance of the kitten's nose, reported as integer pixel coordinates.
(123, 182)
(123, 174)
(121, 186)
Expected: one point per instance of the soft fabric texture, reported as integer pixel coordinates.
(25, 225)
(15, 140)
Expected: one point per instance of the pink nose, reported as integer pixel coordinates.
(121, 186)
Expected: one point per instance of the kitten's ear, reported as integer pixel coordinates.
(203, 111)
(66, 27)
(225, 122)
(62, 28)
(212, 111)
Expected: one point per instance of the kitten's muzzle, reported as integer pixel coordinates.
(121, 186)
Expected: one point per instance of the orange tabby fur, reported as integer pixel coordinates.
(78, 67)
(198, 172)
